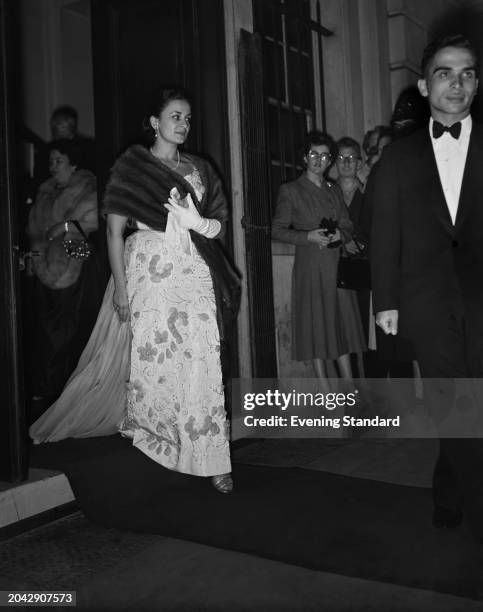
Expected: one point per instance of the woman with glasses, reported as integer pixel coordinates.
(348, 163)
(312, 215)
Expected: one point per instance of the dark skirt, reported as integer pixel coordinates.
(61, 323)
(325, 320)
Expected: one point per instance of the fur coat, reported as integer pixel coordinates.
(78, 200)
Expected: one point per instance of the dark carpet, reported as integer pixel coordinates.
(318, 520)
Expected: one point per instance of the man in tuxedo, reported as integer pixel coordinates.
(427, 259)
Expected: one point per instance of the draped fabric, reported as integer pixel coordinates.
(94, 398)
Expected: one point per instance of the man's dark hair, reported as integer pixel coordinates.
(411, 112)
(451, 40)
(65, 112)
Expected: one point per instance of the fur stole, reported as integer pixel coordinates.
(139, 187)
(140, 183)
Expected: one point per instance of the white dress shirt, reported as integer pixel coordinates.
(450, 154)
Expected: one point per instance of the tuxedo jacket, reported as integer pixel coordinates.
(422, 264)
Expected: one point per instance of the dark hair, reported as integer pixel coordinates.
(348, 142)
(64, 112)
(451, 40)
(69, 148)
(317, 138)
(411, 112)
(385, 131)
(159, 101)
(382, 131)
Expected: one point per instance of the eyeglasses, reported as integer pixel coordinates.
(349, 158)
(322, 156)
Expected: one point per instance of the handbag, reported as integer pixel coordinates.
(330, 226)
(354, 271)
(77, 248)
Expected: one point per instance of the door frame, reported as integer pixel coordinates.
(13, 436)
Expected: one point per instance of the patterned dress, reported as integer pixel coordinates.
(175, 405)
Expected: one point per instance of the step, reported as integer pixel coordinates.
(43, 491)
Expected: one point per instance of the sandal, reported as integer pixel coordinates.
(223, 483)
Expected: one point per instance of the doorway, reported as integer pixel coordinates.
(118, 52)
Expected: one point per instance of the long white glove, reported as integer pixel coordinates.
(188, 217)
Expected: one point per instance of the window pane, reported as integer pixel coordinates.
(275, 182)
(268, 18)
(273, 132)
(300, 79)
(273, 70)
(296, 27)
(292, 134)
(300, 129)
(286, 134)
(288, 68)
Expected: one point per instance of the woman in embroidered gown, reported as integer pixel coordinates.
(169, 281)
(326, 324)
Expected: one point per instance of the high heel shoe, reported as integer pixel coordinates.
(223, 483)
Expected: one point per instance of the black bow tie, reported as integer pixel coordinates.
(439, 129)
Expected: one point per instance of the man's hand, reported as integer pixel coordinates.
(352, 248)
(387, 321)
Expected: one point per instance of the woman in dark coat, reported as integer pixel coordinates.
(348, 163)
(325, 320)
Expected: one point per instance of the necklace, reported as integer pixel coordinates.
(165, 160)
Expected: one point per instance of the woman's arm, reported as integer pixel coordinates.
(115, 248)
(189, 218)
(89, 218)
(86, 216)
(214, 204)
(282, 221)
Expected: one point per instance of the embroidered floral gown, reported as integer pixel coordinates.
(175, 399)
